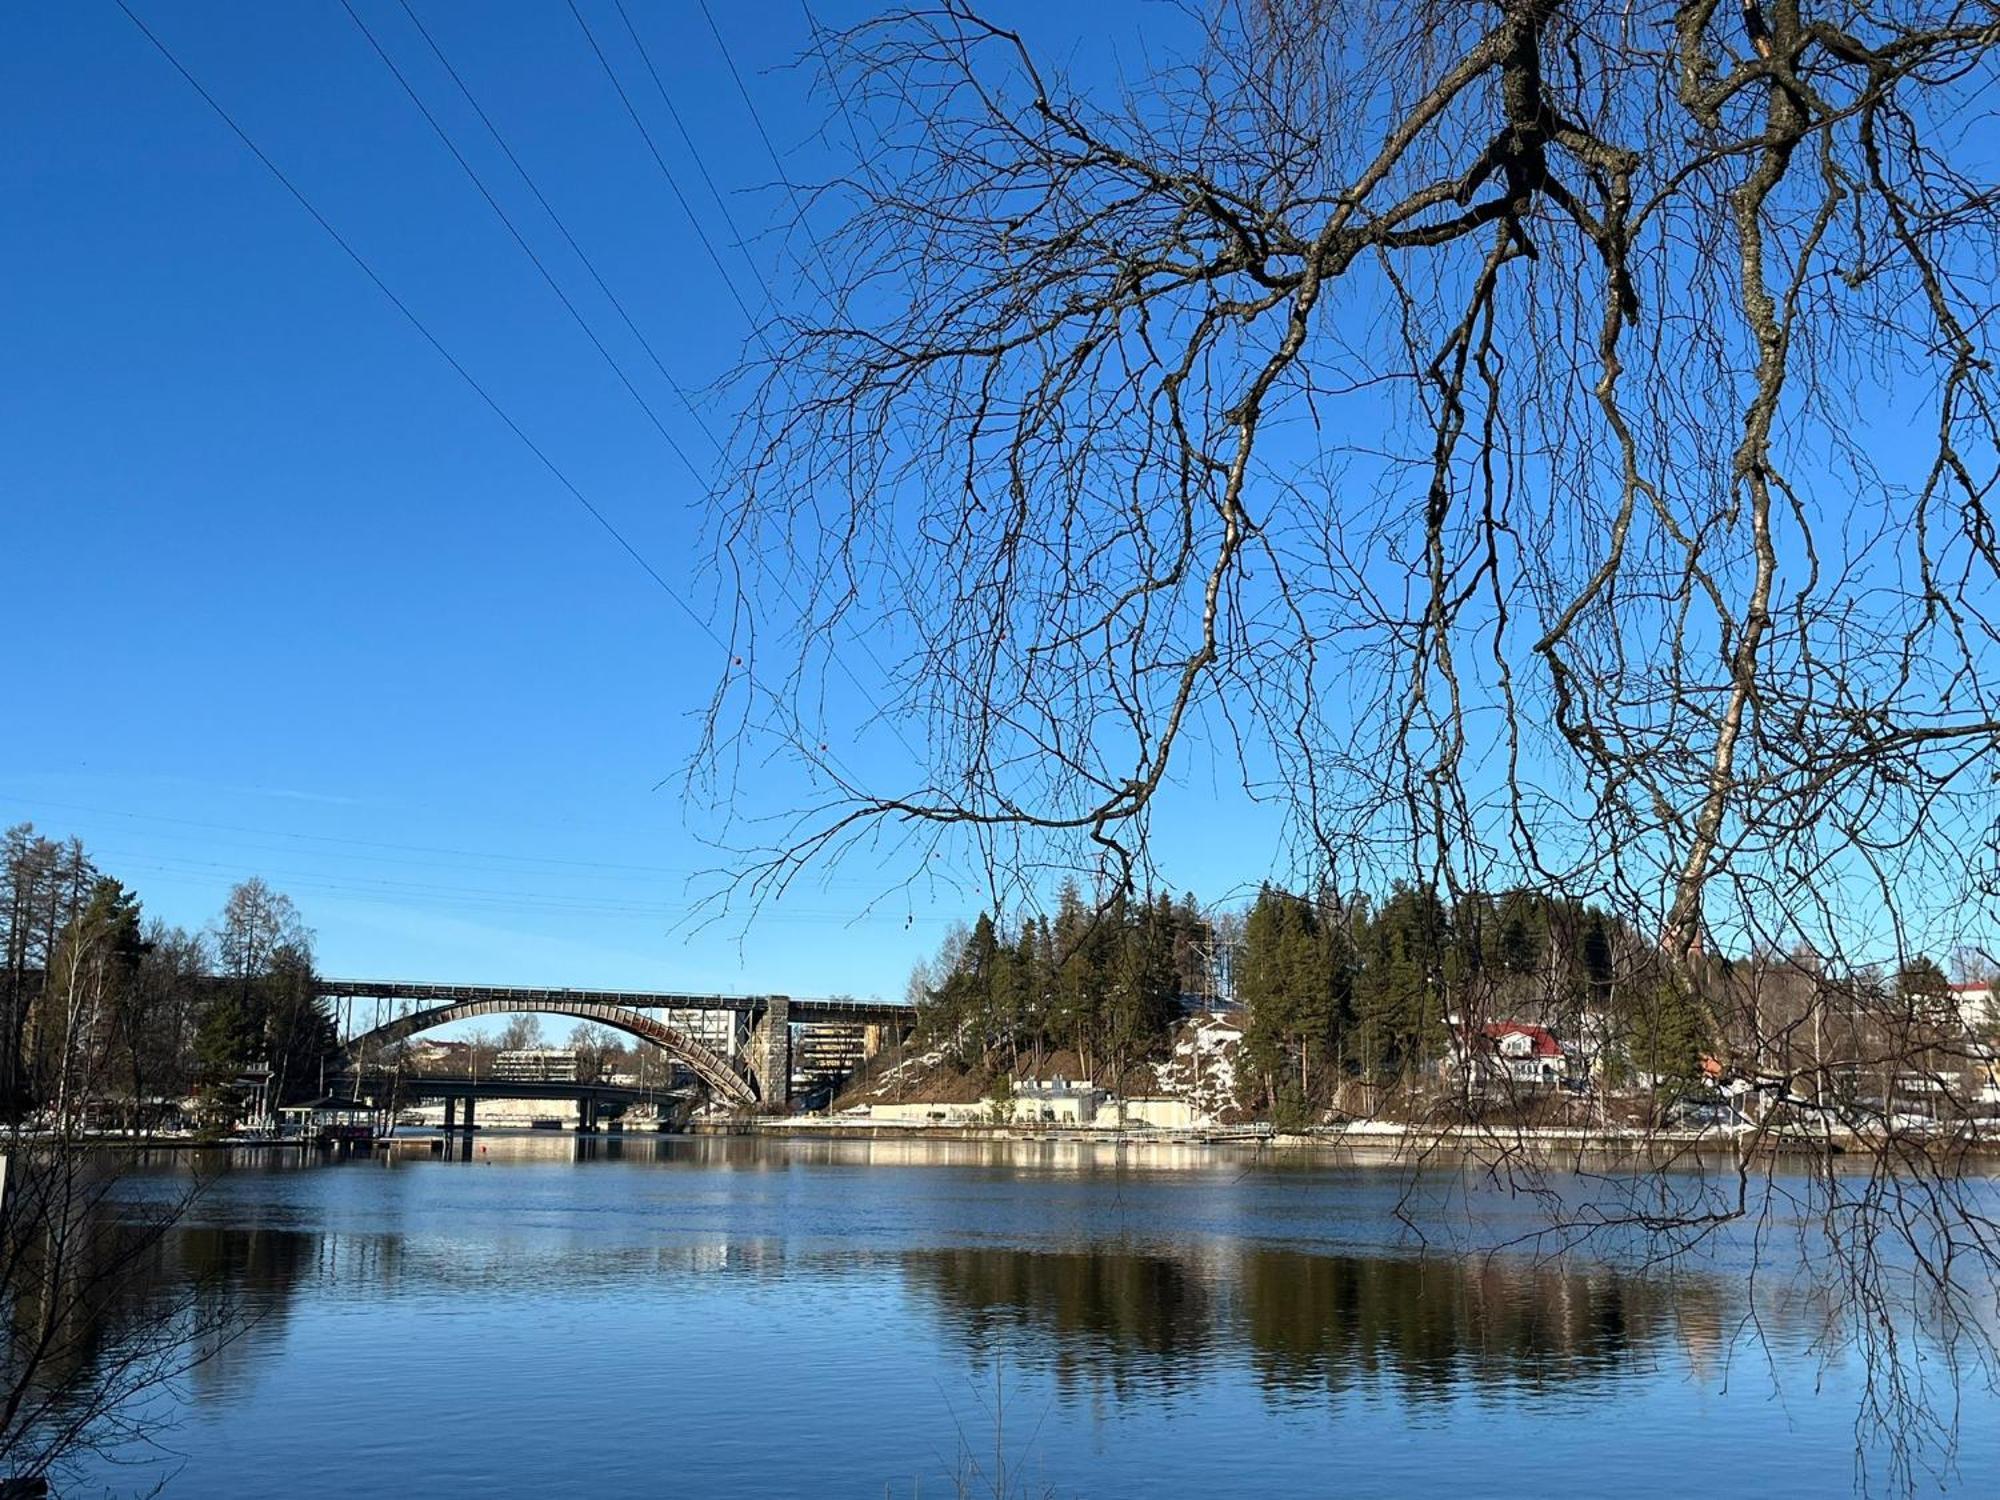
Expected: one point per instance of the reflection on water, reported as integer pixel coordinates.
(788, 1313)
(1149, 1326)
(1433, 1324)
(1144, 1325)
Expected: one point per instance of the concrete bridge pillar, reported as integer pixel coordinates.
(450, 1114)
(586, 1114)
(771, 1054)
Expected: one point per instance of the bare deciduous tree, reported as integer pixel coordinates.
(1454, 410)
(521, 1033)
(1535, 445)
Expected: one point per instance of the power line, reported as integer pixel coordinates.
(314, 846)
(861, 640)
(328, 838)
(342, 881)
(861, 158)
(823, 757)
(339, 862)
(555, 218)
(660, 86)
(469, 898)
(798, 207)
(519, 239)
(563, 479)
(660, 162)
(665, 98)
(755, 118)
(694, 151)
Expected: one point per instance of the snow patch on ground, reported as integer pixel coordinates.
(1202, 1067)
(906, 1072)
(1200, 1070)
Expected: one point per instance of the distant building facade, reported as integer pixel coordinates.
(1978, 1005)
(1057, 1101)
(536, 1065)
(435, 1055)
(718, 1030)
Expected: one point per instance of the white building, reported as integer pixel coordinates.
(536, 1065)
(1515, 1050)
(1978, 1005)
(1057, 1102)
(718, 1030)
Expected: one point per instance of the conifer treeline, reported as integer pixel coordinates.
(1338, 987)
(1332, 987)
(1100, 982)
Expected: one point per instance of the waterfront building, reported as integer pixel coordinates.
(436, 1055)
(1057, 1102)
(1514, 1051)
(1978, 1005)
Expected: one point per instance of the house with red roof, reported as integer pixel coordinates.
(1519, 1051)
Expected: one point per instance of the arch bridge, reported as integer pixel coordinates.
(739, 1087)
(762, 1079)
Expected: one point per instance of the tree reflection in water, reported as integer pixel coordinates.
(1136, 1322)
(1139, 1324)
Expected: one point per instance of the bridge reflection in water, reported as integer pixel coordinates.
(1136, 1327)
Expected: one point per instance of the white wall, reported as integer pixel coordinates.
(1159, 1114)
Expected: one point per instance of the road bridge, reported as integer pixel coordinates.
(760, 1079)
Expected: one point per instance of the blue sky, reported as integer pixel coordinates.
(298, 604)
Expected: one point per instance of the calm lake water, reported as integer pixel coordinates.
(710, 1317)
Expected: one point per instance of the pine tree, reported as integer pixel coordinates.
(1262, 983)
(1399, 999)
(1668, 1036)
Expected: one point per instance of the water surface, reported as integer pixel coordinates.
(669, 1316)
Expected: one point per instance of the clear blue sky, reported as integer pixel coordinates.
(286, 598)
(289, 600)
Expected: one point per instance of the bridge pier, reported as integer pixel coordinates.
(470, 1101)
(586, 1114)
(771, 1055)
(450, 1114)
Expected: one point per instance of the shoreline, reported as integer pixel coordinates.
(1377, 1136)
(1402, 1140)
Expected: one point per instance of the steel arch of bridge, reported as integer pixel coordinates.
(709, 1065)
